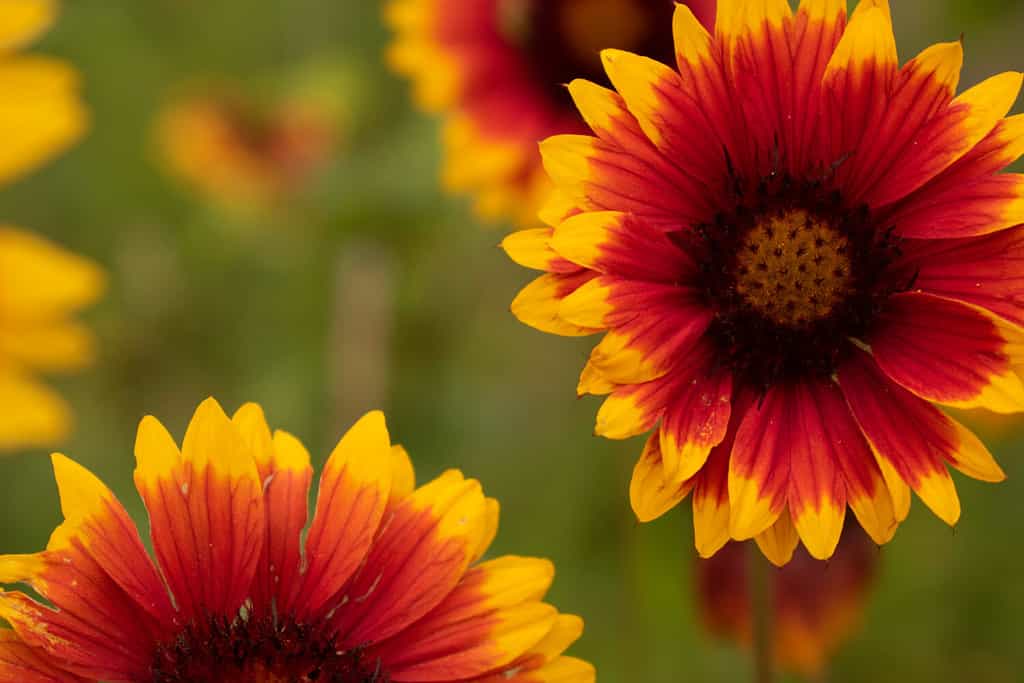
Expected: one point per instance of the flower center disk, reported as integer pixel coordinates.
(792, 273)
(793, 268)
(260, 650)
(562, 39)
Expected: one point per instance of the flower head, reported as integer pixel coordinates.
(244, 156)
(815, 608)
(498, 69)
(795, 247)
(41, 284)
(387, 585)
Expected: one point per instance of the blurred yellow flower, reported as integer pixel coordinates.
(241, 155)
(40, 105)
(816, 607)
(41, 285)
(498, 69)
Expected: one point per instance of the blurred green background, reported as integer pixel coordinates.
(373, 289)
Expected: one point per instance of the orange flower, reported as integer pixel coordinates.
(498, 69)
(815, 607)
(386, 586)
(795, 247)
(242, 156)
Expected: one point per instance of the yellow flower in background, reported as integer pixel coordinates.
(244, 155)
(41, 113)
(386, 585)
(41, 285)
(498, 69)
(815, 608)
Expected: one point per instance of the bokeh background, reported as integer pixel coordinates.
(369, 288)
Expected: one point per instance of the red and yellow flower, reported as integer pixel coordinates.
(41, 285)
(242, 155)
(814, 608)
(794, 248)
(498, 69)
(387, 586)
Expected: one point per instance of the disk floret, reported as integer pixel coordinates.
(792, 274)
(260, 650)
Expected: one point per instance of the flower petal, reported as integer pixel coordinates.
(592, 381)
(646, 349)
(588, 306)
(650, 493)
(31, 413)
(596, 175)
(24, 664)
(531, 248)
(911, 438)
(284, 469)
(980, 207)
(711, 490)
(985, 271)
(817, 490)
(22, 21)
(40, 280)
(51, 346)
(637, 78)
(616, 243)
(865, 487)
(45, 118)
(950, 353)
(916, 114)
(632, 409)
(778, 541)
(353, 494)
(855, 85)
(537, 305)
(607, 114)
(697, 416)
(654, 327)
(415, 561)
(205, 508)
(492, 617)
(945, 138)
(110, 642)
(403, 476)
(968, 198)
(542, 661)
(99, 579)
(759, 466)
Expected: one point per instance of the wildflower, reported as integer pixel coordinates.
(498, 69)
(387, 586)
(242, 155)
(41, 284)
(814, 608)
(795, 247)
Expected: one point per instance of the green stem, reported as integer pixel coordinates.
(761, 609)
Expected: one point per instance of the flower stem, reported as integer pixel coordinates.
(362, 331)
(761, 611)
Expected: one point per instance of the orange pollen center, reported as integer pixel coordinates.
(793, 268)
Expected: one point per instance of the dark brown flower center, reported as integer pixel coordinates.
(562, 39)
(260, 650)
(792, 274)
